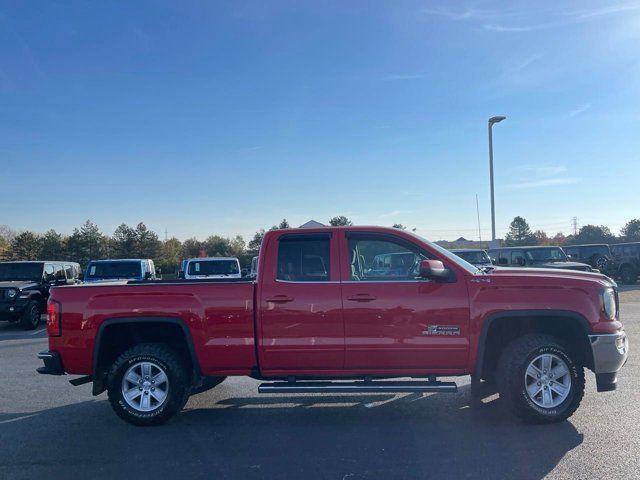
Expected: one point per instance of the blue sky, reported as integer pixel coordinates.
(224, 117)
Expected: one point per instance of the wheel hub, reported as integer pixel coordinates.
(145, 386)
(547, 380)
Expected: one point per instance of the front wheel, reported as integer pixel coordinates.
(148, 384)
(601, 263)
(31, 316)
(540, 380)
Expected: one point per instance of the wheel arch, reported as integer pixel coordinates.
(501, 328)
(102, 354)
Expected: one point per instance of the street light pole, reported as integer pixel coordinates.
(492, 120)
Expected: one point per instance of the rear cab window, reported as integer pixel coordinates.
(213, 267)
(304, 258)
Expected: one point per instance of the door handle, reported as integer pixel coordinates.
(279, 299)
(361, 297)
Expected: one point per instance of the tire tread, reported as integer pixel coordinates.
(509, 366)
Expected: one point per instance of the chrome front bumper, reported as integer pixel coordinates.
(610, 352)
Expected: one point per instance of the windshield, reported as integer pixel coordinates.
(214, 267)
(448, 255)
(21, 271)
(545, 255)
(479, 257)
(114, 270)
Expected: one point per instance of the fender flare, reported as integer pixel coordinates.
(98, 383)
(482, 340)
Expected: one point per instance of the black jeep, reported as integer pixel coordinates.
(597, 255)
(628, 257)
(475, 256)
(24, 288)
(537, 257)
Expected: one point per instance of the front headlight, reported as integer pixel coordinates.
(11, 293)
(609, 303)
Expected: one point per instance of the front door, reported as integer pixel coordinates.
(301, 323)
(394, 320)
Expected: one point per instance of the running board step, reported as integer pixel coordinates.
(357, 387)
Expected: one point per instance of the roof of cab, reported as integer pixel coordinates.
(106, 260)
(209, 259)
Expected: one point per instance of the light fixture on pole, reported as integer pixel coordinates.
(492, 120)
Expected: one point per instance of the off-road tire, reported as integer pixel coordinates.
(512, 367)
(207, 384)
(600, 262)
(173, 366)
(30, 318)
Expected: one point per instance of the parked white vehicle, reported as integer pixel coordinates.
(212, 267)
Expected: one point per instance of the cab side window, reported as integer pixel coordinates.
(382, 259)
(517, 257)
(304, 258)
(49, 273)
(59, 273)
(70, 271)
(499, 257)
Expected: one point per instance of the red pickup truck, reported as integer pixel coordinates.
(343, 309)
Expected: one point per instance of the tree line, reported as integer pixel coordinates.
(520, 234)
(88, 242)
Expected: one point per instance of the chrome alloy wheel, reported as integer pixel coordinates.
(145, 386)
(548, 380)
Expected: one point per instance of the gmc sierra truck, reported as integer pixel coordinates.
(343, 309)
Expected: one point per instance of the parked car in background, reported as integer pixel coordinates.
(597, 255)
(627, 256)
(120, 269)
(475, 256)
(212, 267)
(322, 318)
(538, 257)
(24, 288)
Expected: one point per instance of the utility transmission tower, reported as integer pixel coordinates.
(166, 234)
(574, 225)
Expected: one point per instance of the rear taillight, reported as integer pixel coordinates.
(54, 322)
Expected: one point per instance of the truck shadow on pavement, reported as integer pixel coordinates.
(312, 436)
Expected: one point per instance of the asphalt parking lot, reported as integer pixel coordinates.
(49, 429)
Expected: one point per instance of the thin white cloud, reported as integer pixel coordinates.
(545, 182)
(542, 170)
(580, 109)
(505, 28)
(520, 71)
(496, 20)
(468, 14)
(608, 10)
(393, 213)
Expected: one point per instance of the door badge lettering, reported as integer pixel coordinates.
(442, 330)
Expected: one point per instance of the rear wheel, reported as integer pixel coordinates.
(540, 380)
(148, 384)
(31, 316)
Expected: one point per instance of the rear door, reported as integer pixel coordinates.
(395, 321)
(300, 311)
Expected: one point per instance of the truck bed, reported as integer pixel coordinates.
(218, 315)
